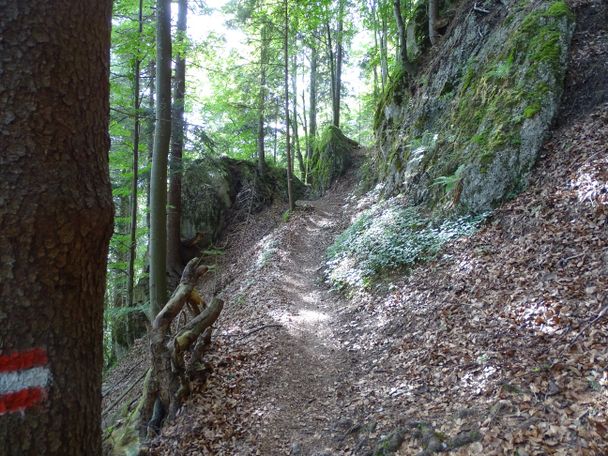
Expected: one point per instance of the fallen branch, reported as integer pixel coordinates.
(599, 316)
(480, 10)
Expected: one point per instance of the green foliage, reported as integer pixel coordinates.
(286, 216)
(390, 236)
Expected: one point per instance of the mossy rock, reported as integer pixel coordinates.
(218, 190)
(486, 99)
(331, 158)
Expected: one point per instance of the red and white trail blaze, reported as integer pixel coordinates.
(24, 377)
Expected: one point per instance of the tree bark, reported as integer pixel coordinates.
(158, 179)
(55, 223)
(174, 210)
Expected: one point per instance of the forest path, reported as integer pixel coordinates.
(311, 367)
(284, 367)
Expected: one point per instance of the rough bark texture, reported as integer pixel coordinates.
(158, 179)
(55, 214)
(174, 211)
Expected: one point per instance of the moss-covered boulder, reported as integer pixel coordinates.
(332, 155)
(465, 133)
(217, 191)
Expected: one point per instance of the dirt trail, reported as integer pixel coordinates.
(311, 366)
(283, 368)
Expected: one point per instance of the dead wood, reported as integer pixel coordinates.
(167, 383)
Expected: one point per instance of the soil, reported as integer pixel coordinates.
(497, 346)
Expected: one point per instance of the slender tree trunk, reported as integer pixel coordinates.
(403, 58)
(338, 78)
(174, 212)
(276, 122)
(312, 133)
(305, 126)
(433, 14)
(158, 180)
(384, 52)
(136, 126)
(332, 68)
(294, 122)
(288, 142)
(55, 224)
(262, 100)
(150, 127)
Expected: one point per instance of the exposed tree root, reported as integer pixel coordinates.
(168, 380)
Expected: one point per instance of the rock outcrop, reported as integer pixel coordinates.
(465, 132)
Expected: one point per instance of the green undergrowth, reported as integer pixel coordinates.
(390, 236)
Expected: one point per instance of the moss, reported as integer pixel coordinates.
(331, 157)
(531, 110)
(559, 9)
(393, 93)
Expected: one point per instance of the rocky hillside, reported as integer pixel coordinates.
(465, 131)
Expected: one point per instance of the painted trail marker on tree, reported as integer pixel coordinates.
(24, 377)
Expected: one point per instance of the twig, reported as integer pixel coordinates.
(124, 377)
(599, 316)
(480, 10)
(122, 396)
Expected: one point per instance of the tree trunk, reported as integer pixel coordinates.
(288, 142)
(262, 100)
(433, 13)
(332, 68)
(384, 53)
(294, 122)
(312, 125)
(158, 179)
(306, 136)
(150, 127)
(338, 79)
(174, 210)
(55, 224)
(136, 127)
(403, 58)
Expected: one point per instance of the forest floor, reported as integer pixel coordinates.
(498, 346)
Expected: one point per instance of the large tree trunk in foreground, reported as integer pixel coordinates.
(158, 179)
(174, 259)
(55, 223)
